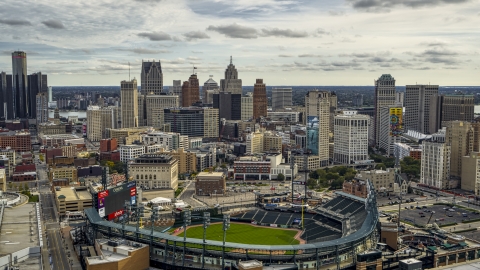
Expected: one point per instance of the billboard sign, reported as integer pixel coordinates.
(396, 121)
(312, 134)
(111, 202)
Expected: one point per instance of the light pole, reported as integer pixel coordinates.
(241, 206)
(215, 194)
(206, 223)
(226, 226)
(187, 220)
(154, 217)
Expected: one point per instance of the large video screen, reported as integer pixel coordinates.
(111, 202)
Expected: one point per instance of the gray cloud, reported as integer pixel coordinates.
(14, 22)
(439, 53)
(155, 36)
(434, 44)
(357, 55)
(309, 55)
(442, 60)
(144, 51)
(54, 24)
(235, 31)
(321, 31)
(336, 13)
(284, 33)
(386, 5)
(284, 55)
(194, 35)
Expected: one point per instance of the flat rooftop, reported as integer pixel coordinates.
(16, 228)
(121, 253)
(210, 174)
(71, 194)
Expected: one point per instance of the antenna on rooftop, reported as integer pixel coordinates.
(230, 60)
(129, 71)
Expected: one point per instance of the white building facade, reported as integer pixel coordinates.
(351, 137)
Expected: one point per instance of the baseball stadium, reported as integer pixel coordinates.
(328, 236)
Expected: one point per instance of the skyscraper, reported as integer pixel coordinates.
(384, 96)
(460, 136)
(42, 107)
(210, 84)
(390, 127)
(247, 106)
(176, 89)
(37, 83)
(435, 165)
(351, 137)
(152, 82)
(259, 99)
(281, 98)
(444, 108)
(6, 96)
(20, 87)
(417, 107)
(190, 91)
(129, 103)
(317, 108)
(231, 83)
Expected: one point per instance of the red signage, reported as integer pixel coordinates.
(115, 214)
(103, 194)
(133, 191)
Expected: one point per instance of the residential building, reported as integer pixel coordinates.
(281, 98)
(390, 128)
(459, 136)
(124, 254)
(247, 107)
(382, 180)
(231, 83)
(155, 105)
(384, 96)
(155, 171)
(129, 101)
(210, 183)
(263, 141)
(72, 199)
(351, 137)
(435, 163)
(194, 142)
(402, 150)
(190, 91)
(187, 160)
(20, 84)
(417, 107)
(206, 158)
(444, 108)
(99, 119)
(167, 140)
(42, 107)
(62, 172)
(130, 152)
(317, 109)
(193, 121)
(19, 141)
(471, 173)
(260, 100)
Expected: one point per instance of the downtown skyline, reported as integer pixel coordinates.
(290, 42)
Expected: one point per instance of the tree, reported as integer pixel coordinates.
(349, 176)
(10, 185)
(332, 176)
(25, 187)
(281, 177)
(41, 157)
(380, 166)
(311, 183)
(223, 166)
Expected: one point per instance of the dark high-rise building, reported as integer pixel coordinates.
(417, 107)
(20, 87)
(231, 83)
(37, 83)
(228, 105)
(6, 96)
(190, 91)
(384, 96)
(151, 82)
(259, 99)
(444, 108)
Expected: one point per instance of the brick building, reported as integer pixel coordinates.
(108, 145)
(19, 141)
(210, 183)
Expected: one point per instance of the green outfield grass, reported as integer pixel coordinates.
(246, 234)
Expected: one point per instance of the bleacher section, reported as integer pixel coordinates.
(314, 231)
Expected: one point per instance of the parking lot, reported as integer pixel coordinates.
(441, 215)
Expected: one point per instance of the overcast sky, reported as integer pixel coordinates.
(285, 42)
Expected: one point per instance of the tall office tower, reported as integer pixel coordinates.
(6, 96)
(176, 89)
(460, 136)
(444, 108)
(210, 84)
(384, 96)
(152, 78)
(99, 120)
(129, 103)
(155, 105)
(190, 91)
(20, 84)
(476, 134)
(247, 106)
(42, 107)
(37, 83)
(281, 98)
(317, 108)
(417, 107)
(351, 137)
(259, 99)
(390, 127)
(50, 95)
(228, 105)
(193, 121)
(435, 163)
(400, 98)
(231, 83)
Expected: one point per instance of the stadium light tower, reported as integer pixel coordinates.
(226, 226)
(206, 223)
(128, 209)
(154, 217)
(187, 220)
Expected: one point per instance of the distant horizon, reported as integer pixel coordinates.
(463, 86)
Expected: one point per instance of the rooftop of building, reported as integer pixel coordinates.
(59, 136)
(153, 158)
(250, 264)
(122, 247)
(73, 193)
(210, 174)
